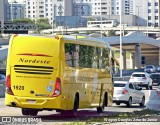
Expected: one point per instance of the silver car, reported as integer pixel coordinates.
(2, 79)
(150, 69)
(128, 93)
(142, 79)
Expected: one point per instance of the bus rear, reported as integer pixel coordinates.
(33, 81)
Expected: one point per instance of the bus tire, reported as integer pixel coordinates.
(76, 104)
(72, 112)
(33, 112)
(25, 111)
(105, 103)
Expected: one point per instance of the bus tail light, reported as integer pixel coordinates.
(8, 85)
(57, 89)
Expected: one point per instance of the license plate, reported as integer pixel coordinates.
(31, 101)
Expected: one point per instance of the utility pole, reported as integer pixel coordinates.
(11, 10)
(138, 16)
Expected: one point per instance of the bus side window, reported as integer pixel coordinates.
(86, 56)
(105, 58)
(71, 54)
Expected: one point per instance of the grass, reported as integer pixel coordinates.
(123, 117)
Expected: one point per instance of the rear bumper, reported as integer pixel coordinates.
(40, 103)
(121, 99)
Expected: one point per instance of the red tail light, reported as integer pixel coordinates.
(57, 89)
(144, 78)
(8, 85)
(124, 91)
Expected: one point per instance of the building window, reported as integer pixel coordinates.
(156, 17)
(149, 10)
(149, 4)
(156, 24)
(149, 17)
(156, 10)
(156, 3)
(149, 24)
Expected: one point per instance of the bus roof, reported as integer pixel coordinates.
(86, 39)
(75, 39)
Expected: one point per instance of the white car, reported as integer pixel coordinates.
(142, 79)
(128, 93)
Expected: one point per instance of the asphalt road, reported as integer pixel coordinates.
(51, 117)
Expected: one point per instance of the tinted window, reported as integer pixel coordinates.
(136, 86)
(149, 66)
(86, 56)
(119, 85)
(138, 75)
(131, 86)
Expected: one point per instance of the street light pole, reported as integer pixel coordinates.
(138, 16)
(120, 12)
(11, 10)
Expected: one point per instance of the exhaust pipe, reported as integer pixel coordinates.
(13, 104)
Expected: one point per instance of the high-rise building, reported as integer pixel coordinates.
(15, 10)
(147, 12)
(127, 7)
(3, 10)
(92, 7)
(36, 9)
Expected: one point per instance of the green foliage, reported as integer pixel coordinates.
(91, 19)
(43, 24)
(112, 33)
(24, 20)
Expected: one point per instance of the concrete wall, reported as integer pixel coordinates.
(152, 60)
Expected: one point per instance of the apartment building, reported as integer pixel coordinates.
(3, 9)
(92, 7)
(147, 12)
(15, 10)
(36, 9)
(154, 13)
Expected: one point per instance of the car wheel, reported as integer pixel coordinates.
(147, 87)
(151, 86)
(129, 103)
(142, 102)
(118, 103)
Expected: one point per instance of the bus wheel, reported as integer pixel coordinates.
(25, 111)
(33, 112)
(101, 109)
(76, 104)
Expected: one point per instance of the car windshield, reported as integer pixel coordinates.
(119, 84)
(138, 75)
(149, 66)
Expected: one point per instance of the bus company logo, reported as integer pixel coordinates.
(23, 60)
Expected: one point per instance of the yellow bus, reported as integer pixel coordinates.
(59, 73)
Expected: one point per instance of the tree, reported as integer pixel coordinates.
(43, 23)
(24, 20)
(112, 33)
